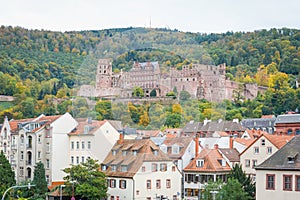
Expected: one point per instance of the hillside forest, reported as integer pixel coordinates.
(43, 69)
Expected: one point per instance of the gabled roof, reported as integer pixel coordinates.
(116, 124)
(86, 126)
(288, 119)
(182, 142)
(286, 158)
(277, 140)
(144, 153)
(212, 162)
(231, 154)
(258, 122)
(192, 127)
(222, 126)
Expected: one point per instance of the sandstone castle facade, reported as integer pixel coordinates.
(200, 81)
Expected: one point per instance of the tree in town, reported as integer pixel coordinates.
(245, 181)
(88, 181)
(138, 92)
(232, 190)
(39, 180)
(7, 177)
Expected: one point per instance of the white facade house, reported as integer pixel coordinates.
(279, 176)
(42, 139)
(261, 148)
(137, 169)
(91, 139)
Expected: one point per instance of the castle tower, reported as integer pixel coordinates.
(104, 74)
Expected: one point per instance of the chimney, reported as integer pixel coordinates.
(216, 146)
(196, 145)
(121, 138)
(231, 142)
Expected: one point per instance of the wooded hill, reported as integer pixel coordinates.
(38, 65)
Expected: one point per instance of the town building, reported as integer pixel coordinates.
(209, 164)
(42, 139)
(138, 169)
(278, 177)
(263, 124)
(259, 150)
(288, 124)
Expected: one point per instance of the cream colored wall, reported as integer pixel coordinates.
(260, 157)
(278, 193)
(141, 178)
(123, 194)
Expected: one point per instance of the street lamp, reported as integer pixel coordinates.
(60, 194)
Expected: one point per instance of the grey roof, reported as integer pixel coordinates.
(286, 158)
(130, 131)
(290, 118)
(223, 126)
(158, 140)
(231, 154)
(192, 127)
(258, 122)
(116, 124)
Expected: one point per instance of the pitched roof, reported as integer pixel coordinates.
(286, 158)
(192, 127)
(258, 122)
(182, 142)
(144, 153)
(86, 127)
(231, 154)
(212, 162)
(289, 118)
(222, 126)
(277, 140)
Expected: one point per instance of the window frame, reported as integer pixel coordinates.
(267, 181)
(297, 177)
(122, 184)
(148, 184)
(256, 150)
(168, 183)
(158, 184)
(247, 163)
(284, 182)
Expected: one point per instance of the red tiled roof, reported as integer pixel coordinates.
(212, 158)
(82, 122)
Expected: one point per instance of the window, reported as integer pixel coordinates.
(22, 155)
(137, 192)
(148, 184)
(124, 153)
(287, 182)
(124, 168)
(122, 184)
(154, 167)
(89, 145)
(104, 167)
(254, 163)
(72, 160)
(200, 163)
(297, 184)
(22, 139)
(82, 145)
(168, 183)
(163, 167)
(82, 159)
(158, 184)
(269, 150)
(48, 147)
(77, 159)
(256, 150)
(47, 179)
(173, 168)
(247, 163)
(112, 183)
(47, 163)
(72, 145)
(39, 155)
(290, 131)
(40, 139)
(143, 169)
(21, 171)
(270, 181)
(263, 142)
(114, 152)
(77, 145)
(113, 168)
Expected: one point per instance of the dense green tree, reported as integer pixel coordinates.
(232, 190)
(138, 92)
(184, 95)
(39, 180)
(247, 185)
(104, 109)
(7, 178)
(89, 182)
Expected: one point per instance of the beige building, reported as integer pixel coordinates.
(259, 150)
(278, 178)
(138, 169)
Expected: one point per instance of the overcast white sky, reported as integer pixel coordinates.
(184, 15)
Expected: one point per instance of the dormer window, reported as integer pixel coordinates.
(199, 163)
(124, 152)
(124, 168)
(164, 148)
(155, 152)
(175, 149)
(291, 159)
(113, 168)
(114, 152)
(134, 152)
(104, 167)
